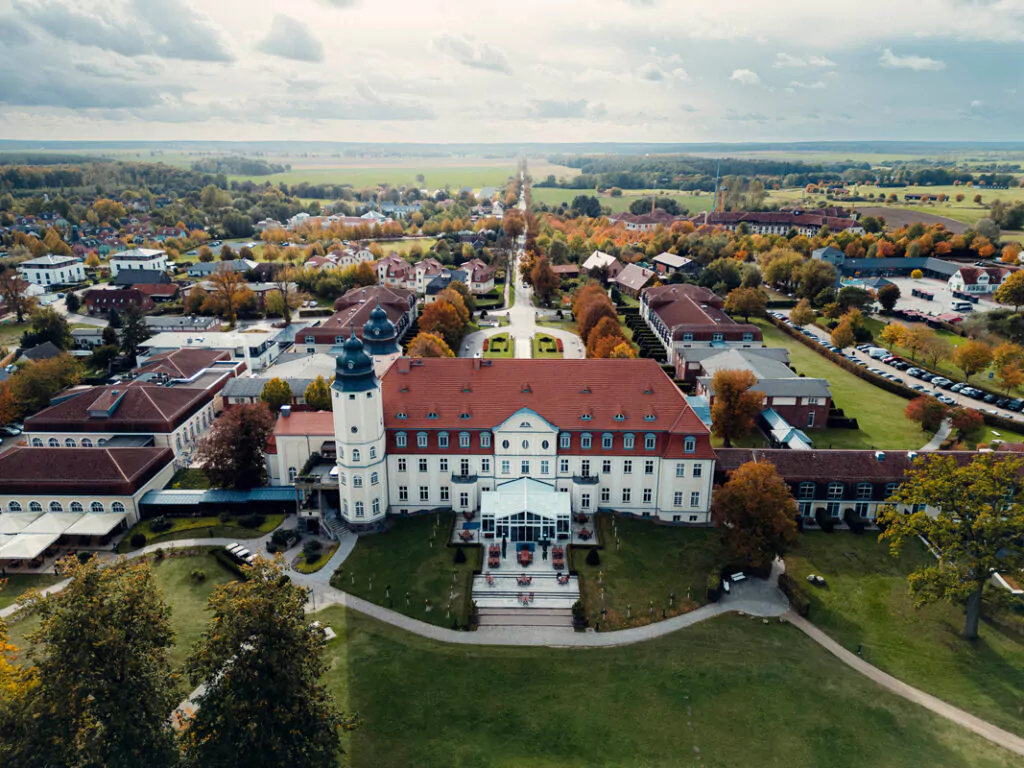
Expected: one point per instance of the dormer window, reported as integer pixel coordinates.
(650, 417)
(432, 415)
(401, 415)
(585, 416)
(620, 417)
(628, 441)
(463, 416)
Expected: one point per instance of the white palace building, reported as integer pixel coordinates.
(444, 432)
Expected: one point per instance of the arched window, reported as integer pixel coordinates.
(117, 508)
(53, 442)
(374, 478)
(86, 442)
(485, 439)
(585, 441)
(890, 489)
(607, 439)
(359, 509)
(76, 506)
(355, 454)
(96, 507)
(292, 474)
(102, 442)
(56, 506)
(344, 507)
(401, 439)
(421, 439)
(628, 441)
(650, 441)
(376, 507)
(864, 491)
(35, 506)
(14, 506)
(835, 490)
(689, 445)
(69, 442)
(806, 490)
(442, 439)
(37, 443)
(564, 440)
(357, 481)
(463, 439)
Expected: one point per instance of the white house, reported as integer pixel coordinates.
(138, 258)
(53, 270)
(257, 348)
(978, 279)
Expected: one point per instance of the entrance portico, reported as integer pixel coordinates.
(525, 510)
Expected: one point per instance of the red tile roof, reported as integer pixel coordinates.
(182, 363)
(825, 465)
(305, 423)
(970, 275)
(353, 310)
(120, 471)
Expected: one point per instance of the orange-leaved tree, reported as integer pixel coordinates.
(735, 404)
(429, 345)
(755, 514)
(442, 319)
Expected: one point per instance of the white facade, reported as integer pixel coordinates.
(258, 349)
(138, 258)
(52, 270)
(362, 463)
(986, 281)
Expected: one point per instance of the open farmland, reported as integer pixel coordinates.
(554, 196)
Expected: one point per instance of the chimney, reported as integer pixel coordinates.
(286, 411)
(879, 455)
(476, 364)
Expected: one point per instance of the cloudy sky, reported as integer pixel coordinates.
(533, 70)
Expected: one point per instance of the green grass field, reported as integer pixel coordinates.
(727, 693)
(198, 528)
(866, 604)
(545, 346)
(879, 413)
(17, 584)
(412, 559)
(651, 563)
(554, 196)
(500, 346)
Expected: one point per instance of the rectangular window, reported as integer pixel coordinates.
(606, 467)
(444, 465)
(677, 499)
(585, 442)
(648, 495)
(464, 467)
(403, 493)
(680, 469)
(585, 468)
(861, 509)
(442, 440)
(649, 467)
(627, 467)
(606, 442)
(506, 466)
(445, 492)
(424, 493)
(485, 465)
(524, 467)
(421, 440)
(606, 495)
(689, 445)
(564, 440)
(544, 467)
(401, 465)
(423, 465)
(698, 470)
(627, 494)
(585, 501)
(563, 466)
(810, 419)
(464, 500)
(464, 440)
(833, 508)
(695, 499)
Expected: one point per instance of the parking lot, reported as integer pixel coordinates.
(942, 303)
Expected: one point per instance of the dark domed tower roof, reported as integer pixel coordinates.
(379, 335)
(354, 371)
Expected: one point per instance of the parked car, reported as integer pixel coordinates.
(917, 388)
(926, 376)
(945, 399)
(897, 379)
(915, 372)
(1016, 404)
(990, 399)
(1002, 402)
(957, 387)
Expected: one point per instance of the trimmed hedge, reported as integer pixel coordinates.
(228, 562)
(854, 521)
(824, 520)
(798, 599)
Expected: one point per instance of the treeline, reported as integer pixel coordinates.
(239, 166)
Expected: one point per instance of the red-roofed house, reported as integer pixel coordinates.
(479, 276)
(634, 279)
(100, 302)
(978, 279)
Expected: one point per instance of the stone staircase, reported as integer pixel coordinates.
(500, 604)
(336, 527)
(525, 617)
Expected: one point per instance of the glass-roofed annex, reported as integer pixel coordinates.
(525, 510)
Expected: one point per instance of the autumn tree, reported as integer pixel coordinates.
(916, 338)
(318, 395)
(935, 350)
(893, 334)
(622, 351)
(35, 384)
(972, 357)
(103, 681)
(966, 421)
(228, 291)
(13, 294)
(843, 335)
(544, 280)
(755, 514)
(926, 411)
(261, 660)
(746, 302)
(276, 393)
(46, 324)
(592, 308)
(802, 314)
(1012, 290)
(231, 452)
(287, 297)
(735, 405)
(888, 295)
(10, 408)
(604, 338)
(428, 345)
(972, 515)
(455, 299)
(441, 318)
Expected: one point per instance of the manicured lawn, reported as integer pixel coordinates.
(867, 604)
(654, 561)
(879, 413)
(186, 598)
(412, 559)
(500, 346)
(312, 567)
(16, 584)
(545, 346)
(189, 480)
(729, 693)
(199, 528)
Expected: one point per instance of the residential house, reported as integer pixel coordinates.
(353, 311)
(100, 302)
(669, 264)
(257, 349)
(442, 281)
(394, 271)
(807, 223)
(978, 280)
(204, 269)
(633, 279)
(479, 276)
(602, 260)
(138, 258)
(566, 271)
(53, 270)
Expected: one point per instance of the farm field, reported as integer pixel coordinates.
(555, 196)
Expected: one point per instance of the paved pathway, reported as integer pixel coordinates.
(986, 730)
(936, 442)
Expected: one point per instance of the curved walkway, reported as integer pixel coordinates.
(943, 432)
(986, 730)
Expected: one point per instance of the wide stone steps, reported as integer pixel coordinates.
(525, 617)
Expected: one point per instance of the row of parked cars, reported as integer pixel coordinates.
(941, 382)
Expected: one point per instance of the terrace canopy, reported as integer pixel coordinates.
(26, 546)
(525, 510)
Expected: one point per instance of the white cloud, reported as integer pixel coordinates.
(655, 73)
(787, 61)
(289, 38)
(473, 53)
(745, 76)
(917, 63)
(796, 85)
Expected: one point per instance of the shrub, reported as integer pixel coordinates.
(311, 549)
(83, 557)
(224, 517)
(460, 555)
(252, 520)
(593, 558)
(797, 597)
(824, 520)
(487, 345)
(159, 554)
(559, 345)
(138, 540)
(579, 614)
(714, 586)
(854, 521)
(198, 576)
(160, 524)
(283, 538)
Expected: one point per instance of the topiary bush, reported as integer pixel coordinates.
(311, 549)
(198, 576)
(797, 597)
(714, 586)
(824, 520)
(593, 558)
(138, 540)
(854, 521)
(160, 524)
(252, 520)
(460, 555)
